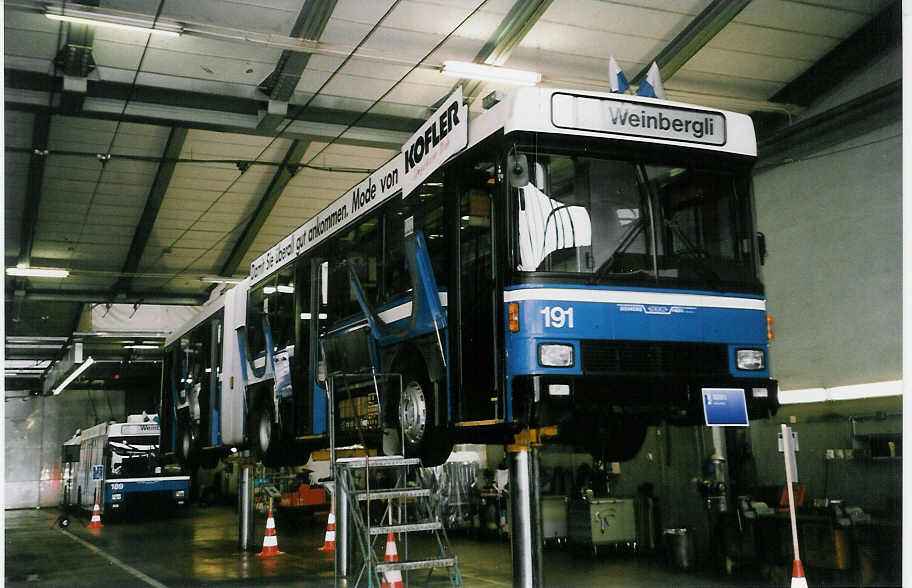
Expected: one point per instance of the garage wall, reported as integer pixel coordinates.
(35, 429)
(833, 222)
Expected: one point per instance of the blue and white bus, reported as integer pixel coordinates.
(565, 258)
(120, 467)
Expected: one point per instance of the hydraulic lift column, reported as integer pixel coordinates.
(526, 535)
(246, 541)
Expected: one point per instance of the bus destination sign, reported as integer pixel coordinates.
(622, 117)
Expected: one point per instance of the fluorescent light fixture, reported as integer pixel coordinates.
(220, 280)
(305, 316)
(872, 390)
(269, 290)
(141, 347)
(37, 272)
(82, 367)
(286, 289)
(492, 73)
(111, 21)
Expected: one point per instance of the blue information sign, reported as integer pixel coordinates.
(725, 407)
(97, 472)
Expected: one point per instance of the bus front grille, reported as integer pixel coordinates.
(667, 358)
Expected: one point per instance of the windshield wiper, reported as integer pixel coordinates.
(698, 254)
(632, 233)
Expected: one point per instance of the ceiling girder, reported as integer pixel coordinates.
(41, 129)
(850, 119)
(277, 185)
(281, 84)
(172, 151)
(694, 37)
(102, 296)
(846, 59)
(199, 110)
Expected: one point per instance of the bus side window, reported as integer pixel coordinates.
(281, 311)
(256, 337)
(359, 247)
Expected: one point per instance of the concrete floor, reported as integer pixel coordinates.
(199, 547)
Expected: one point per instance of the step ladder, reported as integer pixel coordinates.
(402, 506)
(387, 494)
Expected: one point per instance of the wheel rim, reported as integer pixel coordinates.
(185, 444)
(413, 412)
(265, 431)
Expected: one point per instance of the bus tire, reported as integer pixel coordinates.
(415, 408)
(261, 430)
(186, 442)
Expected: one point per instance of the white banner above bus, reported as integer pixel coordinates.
(376, 188)
(621, 117)
(445, 134)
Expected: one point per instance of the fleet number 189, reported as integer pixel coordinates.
(558, 317)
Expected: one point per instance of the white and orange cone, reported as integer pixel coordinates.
(798, 579)
(95, 523)
(392, 578)
(329, 541)
(270, 541)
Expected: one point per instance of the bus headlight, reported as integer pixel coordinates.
(116, 497)
(555, 355)
(750, 359)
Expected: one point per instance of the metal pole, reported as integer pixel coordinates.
(245, 507)
(535, 508)
(521, 532)
(342, 560)
(788, 452)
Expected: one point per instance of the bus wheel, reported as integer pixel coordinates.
(416, 423)
(261, 430)
(186, 441)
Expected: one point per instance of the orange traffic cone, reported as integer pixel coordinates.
(392, 578)
(270, 542)
(95, 523)
(329, 541)
(798, 579)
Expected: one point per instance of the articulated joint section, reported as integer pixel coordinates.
(529, 438)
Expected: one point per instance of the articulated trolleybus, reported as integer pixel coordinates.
(120, 467)
(576, 259)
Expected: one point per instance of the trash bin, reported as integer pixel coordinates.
(679, 545)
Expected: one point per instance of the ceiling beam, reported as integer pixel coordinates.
(166, 166)
(102, 296)
(850, 119)
(846, 59)
(281, 84)
(694, 37)
(277, 185)
(199, 106)
(41, 130)
(508, 35)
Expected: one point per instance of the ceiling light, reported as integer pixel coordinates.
(478, 71)
(112, 21)
(37, 272)
(82, 367)
(141, 346)
(220, 280)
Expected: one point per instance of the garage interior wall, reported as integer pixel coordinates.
(35, 429)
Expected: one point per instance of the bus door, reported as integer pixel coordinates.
(480, 396)
(311, 299)
(214, 398)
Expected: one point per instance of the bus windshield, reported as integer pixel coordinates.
(626, 221)
(132, 456)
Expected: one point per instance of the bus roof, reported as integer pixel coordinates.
(600, 115)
